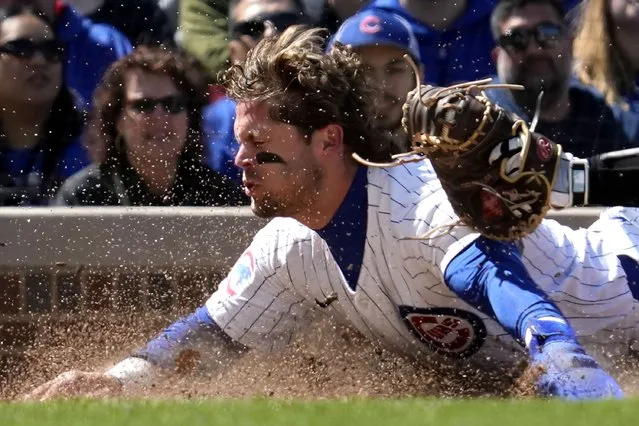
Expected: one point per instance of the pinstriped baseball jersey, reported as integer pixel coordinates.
(289, 273)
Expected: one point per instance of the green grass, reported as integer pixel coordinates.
(369, 412)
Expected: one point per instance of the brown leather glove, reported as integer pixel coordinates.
(497, 174)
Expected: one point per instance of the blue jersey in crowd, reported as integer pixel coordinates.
(219, 140)
(90, 49)
(460, 53)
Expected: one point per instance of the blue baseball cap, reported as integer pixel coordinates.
(375, 28)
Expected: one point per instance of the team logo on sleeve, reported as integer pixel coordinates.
(242, 274)
(447, 331)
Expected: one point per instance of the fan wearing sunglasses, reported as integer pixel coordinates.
(147, 116)
(534, 49)
(39, 124)
(250, 20)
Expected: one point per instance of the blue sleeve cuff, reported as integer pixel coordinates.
(183, 334)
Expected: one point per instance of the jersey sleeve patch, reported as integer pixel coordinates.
(447, 331)
(241, 275)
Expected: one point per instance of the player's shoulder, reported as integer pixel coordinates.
(409, 199)
(404, 189)
(279, 229)
(408, 177)
(280, 238)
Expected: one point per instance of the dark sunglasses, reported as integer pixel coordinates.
(546, 34)
(256, 27)
(52, 50)
(171, 104)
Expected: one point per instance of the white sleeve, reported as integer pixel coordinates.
(444, 236)
(256, 304)
(133, 372)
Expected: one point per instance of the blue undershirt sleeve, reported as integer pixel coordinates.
(195, 330)
(490, 276)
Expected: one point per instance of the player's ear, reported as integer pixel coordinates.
(494, 54)
(329, 139)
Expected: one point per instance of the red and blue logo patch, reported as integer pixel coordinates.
(242, 274)
(446, 331)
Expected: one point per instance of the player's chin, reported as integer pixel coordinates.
(263, 209)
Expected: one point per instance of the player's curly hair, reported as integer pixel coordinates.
(311, 88)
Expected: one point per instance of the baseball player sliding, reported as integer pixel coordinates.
(383, 248)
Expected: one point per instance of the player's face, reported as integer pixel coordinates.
(535, 50)
(280, 173)
(394, 77)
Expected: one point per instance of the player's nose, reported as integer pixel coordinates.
(243, 158)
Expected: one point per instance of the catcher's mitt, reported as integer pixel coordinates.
(498, 174)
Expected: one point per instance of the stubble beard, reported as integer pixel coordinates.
(553, 88)
(290, 204)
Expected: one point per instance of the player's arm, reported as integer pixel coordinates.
(253, 307)
(179, 347)
(491, 276)
(601, 180)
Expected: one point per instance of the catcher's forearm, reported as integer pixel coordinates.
(601, 180)
(612, 177)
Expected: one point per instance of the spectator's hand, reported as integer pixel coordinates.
(76, 384)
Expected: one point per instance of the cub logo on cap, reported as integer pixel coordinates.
(371, 25)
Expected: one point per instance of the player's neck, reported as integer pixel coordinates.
(329, 198)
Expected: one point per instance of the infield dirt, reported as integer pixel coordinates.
(329, 360)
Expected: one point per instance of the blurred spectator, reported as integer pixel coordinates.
(249, 21)
(89, 48)
(148, 109)
(454, 36)
(203, 32)
(314, 8)
(606, 52)
(205, 26)
(141, 21)
(39, 123)
(171, 9)
(336, 11)
(534, 49)
(382, 39)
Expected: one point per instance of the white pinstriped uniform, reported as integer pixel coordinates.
(273, 288)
